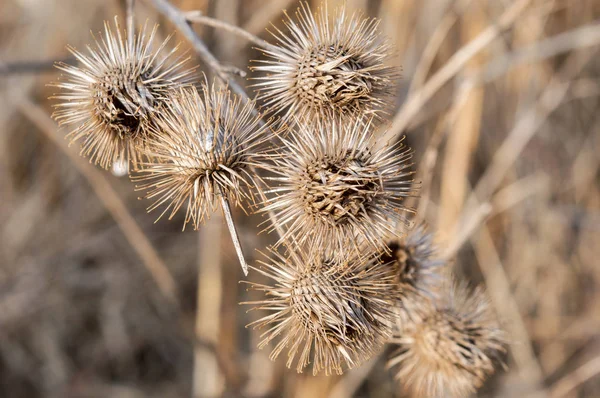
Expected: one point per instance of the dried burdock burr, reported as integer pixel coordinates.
(334, 314)
(326, 68)
(333, 189)
(111, 97)
(203, 148)
(452, 349)
(418, 274)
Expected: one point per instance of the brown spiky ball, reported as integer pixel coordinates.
(324, 67)
(452, 349)
(111, 97)
(204, 144)
(333, 189)
(333, 315)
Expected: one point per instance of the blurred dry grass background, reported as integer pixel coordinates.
(498, 98)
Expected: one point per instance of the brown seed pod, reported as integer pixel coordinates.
(452, 349)
(202, 146)
(338, 314)
(112, 96)
(416, 271)
(326, 68)
(335, 190)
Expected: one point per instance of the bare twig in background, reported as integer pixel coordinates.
(109, 198)
(579, 376)
(498, 288)
(22, 67)
(502, 201)
(585, 36)
(434, 44)
(207, 379)
(416, 101)
(178, 18)
(197, 17)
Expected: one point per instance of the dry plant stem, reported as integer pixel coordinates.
(197, 17)
(502, 201)
(525, 129)
(232, 230)
(109, 198)
(582, 37)
(499, 290)
(579, 376)
(434, 44)
(416, 101)
(177, 17)
(262, 17)
(207, 379)
(432, 151)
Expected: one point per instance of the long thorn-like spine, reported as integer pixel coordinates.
(232, 230)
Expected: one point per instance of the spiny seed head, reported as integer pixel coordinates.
(452, 349)
(338, 314)
(322, 67)
(416, 271)
(202, 145)
(113, 95)
(335, 190)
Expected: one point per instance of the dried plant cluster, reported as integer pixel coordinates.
(347, 273)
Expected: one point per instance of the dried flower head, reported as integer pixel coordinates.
(203, 146)
(452, 349)
(416, 271)
(335, 190)
(323, 66)
(339, 314)
(112, 96)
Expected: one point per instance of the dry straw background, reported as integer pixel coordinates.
(499, 99)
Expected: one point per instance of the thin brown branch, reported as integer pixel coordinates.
(111, 201)
(178, 18)
(23, 67)
(197, 17)
(415, 102)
